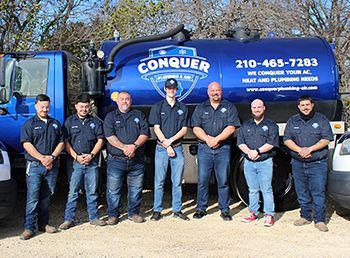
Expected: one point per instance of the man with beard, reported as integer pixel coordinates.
(42, 140)
(214, 121)
(307, 135)
(257, 138)
(169, 118)
(126, 130)
(84, 141)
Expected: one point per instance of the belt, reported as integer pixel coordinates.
(172, 145)
(118, 157)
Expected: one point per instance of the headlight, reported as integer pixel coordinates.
(345, 147)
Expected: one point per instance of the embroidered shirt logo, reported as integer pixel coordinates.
(315, 125)
(136, 120)
(180, 112)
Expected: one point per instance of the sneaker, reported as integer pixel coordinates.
(48, 229)
(98, 222)
(250, 218)
(112, 221)
(156, 216)
(269, 221)
(301, 222)
(66, 225)
(137, 218)
(321, 226)
(27, 234)
(180, 215)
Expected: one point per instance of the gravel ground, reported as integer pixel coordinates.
(170, 237)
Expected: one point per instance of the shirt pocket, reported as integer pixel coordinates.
(75, 131)
(206, 119)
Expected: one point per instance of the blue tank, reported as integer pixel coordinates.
(277, 71)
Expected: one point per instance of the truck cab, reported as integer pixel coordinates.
(24, 76)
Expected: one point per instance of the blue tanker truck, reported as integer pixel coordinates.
(277, 70)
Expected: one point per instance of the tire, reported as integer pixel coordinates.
(282, 182)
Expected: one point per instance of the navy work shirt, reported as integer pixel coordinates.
(170, 119)
(212, 121)
(44, 136)
(256, 135)
(82, 134)
(127, 127)
(307, 133)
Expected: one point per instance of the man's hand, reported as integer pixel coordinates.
(305, 153)
(129, 150)
(46, 160)
(170, 151)
(167, 142)
(212, 142)
(253, 155)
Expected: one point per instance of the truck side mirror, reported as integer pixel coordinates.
(4, 90)
(2, 72)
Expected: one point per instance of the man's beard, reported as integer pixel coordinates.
(259, 117)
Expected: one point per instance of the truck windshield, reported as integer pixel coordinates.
(30, 77)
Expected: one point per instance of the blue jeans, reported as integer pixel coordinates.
(177, 169)
(117, 169)
(219, 160)
(310, 180)
(259, 177)
(89, 176)
(40, 187)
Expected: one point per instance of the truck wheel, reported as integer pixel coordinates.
(282, 182)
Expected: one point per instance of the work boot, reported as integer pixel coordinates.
(98, 222)
(156, 216)
(199, 214)
(27, 234)
(301, 222)
(48, 229)
(66, 225)
(226, 216)
(112, 220)
(321, 226)
(180, 215)
(137, 218)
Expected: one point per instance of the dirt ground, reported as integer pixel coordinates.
(170, 237)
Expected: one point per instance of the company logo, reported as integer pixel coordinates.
(180, 63)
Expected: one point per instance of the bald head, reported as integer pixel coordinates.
(214, 92)
(124, 101)
(258, 109)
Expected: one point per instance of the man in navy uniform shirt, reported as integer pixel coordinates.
(256, 138)
(42, 140)
(307, 135)
(214, 121)
(169, 118)
(84, 136)
(126, 130)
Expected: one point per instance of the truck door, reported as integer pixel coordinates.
(28, 77)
